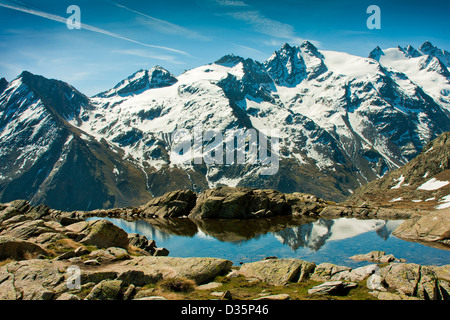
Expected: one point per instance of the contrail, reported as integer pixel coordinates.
(166, 26)
(85, 26)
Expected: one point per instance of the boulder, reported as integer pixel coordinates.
(304, 204)
(209, 286)
(16, 249)
(239, 203)
(276, 297)
(333, 288)
(277, 271)
(104, 234)
(105, 290)
(77, 227)
(38, 212)
(142, 242)
(332, 272)
(109, 254)
(329, 271)
(21, 205)
(201, 270)
(391, 296)
(376, 257)
(443, 272)
(160, 252)
(171, 205)
(432, 227)
(31, 280)
(8, 213)
(412, 280)
(27, 229)
(68, 297)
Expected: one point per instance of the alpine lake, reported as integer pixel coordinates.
(310, 239)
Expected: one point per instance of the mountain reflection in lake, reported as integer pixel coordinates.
(311, 239)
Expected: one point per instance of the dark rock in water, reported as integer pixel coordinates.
(142, 242)
(171, 205)
(239, 203)
(161, 252)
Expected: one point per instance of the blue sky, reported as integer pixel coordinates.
(120, 37)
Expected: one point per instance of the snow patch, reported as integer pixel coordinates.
(445, 203)
(433, 184)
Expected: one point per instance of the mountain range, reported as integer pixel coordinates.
(343, 121)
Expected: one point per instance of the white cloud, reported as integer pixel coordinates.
(267, 26)
(231, 3)
(148, 55)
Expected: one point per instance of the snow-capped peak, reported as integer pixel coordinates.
(142, 80)
(376, 53)
(429, 49)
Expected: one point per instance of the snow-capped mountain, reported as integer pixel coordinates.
(342, 120)
(46, 160)
(140, 81)
(426, 67)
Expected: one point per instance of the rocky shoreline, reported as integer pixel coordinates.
(41, 247)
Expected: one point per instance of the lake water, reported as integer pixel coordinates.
(313, 240)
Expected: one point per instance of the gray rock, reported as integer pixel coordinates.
(92, 262)
(68, 297)
(151, 298)
(375, 256)
(11, 248)
(278, 297)
(329, 271)
(171, 205)
(27, 229)
(201, 270)
(412, 280)
(209, 286)
(105, 290)
(145, 293)
(277, 271)
(160, 252)
(333, 288)
(30, 280)
(432, 227)
(104, 234)
(142, 242)
(129, 292)
(67, 255)
(239, 202)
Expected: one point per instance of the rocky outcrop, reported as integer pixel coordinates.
(376, 257)
(415, 281)
(16, 249)
(104, 234)
(244, 203)
(337, 288)
(171, 205)
(220, 203)
(433, 227)
(396, 281)
(48, 279)
(115, 265)
(278, 271)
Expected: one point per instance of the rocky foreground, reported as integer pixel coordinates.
(41, 251)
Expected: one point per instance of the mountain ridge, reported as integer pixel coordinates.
(344, 120)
